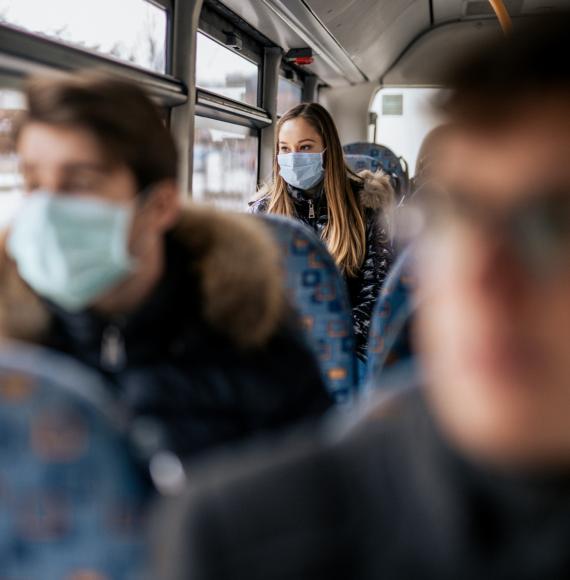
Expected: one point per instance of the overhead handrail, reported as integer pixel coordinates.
(502, 15)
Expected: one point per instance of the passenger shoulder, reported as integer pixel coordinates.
(237, 266)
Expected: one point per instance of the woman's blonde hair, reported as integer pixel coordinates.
(345, 232)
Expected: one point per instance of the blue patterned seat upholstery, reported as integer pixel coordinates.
(70, 500)
(318, 291)
(384, 159)
(389, 342)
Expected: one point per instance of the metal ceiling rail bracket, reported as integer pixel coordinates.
(301, 19)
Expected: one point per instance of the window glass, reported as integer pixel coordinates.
(11, 105)
(222, 71)
(404, 118)
(225, 164)
(131, 30)
(289, 94)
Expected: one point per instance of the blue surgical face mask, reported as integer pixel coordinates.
(71, 249)
(301, 170)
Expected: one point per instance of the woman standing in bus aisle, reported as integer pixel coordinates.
(347, 210)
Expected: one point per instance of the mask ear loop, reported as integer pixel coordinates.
(143, 199)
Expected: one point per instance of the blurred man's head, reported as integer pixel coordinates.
(495, 260)
(99, 168)
(81, 134)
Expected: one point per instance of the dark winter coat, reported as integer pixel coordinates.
(375, 195)
(208, 358)
(382, 497)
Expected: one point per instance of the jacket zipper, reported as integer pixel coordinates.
(113, 353)
(311, 210)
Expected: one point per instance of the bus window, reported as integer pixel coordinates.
(404, 117)
(11, 105)
(222, 71)
(225, 164)
(289, 94)
(131, 30)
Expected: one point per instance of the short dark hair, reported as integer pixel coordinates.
(527, 65)
(125, 122)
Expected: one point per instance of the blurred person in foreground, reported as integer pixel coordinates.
(180, 308)
(466, 475)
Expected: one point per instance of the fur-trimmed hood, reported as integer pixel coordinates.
(377, 192)
(238, 271)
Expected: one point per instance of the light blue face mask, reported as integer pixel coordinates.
(301, 170)
(71, 249)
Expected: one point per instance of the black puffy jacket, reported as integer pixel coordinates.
(375, 196)
(209, 358)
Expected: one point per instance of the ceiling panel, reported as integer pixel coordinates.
(377, 36)
(373, 33)
(430, 58)
(450, 10)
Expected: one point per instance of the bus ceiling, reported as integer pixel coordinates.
(400, 42)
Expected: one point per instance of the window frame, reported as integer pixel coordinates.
(50, 52)
(245, 57)
(215, 22)
(23, 53)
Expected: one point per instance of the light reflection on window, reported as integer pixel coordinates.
(130, 30)
(289, 95)
(11, 105)
(225, 164)
(222, 71)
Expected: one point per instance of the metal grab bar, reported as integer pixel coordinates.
(502, 15)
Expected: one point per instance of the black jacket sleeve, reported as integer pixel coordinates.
(365, 288)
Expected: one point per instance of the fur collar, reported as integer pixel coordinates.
(377, 192)
(239, 277)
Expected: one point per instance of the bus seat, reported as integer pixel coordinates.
(389, 341)
(70, 499)
(388, 161)
(362, 163)
(318, 291)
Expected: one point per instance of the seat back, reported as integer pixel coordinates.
(71, 501)
(362, 163)
(389, 341)
(318, 291)
(384, 158)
